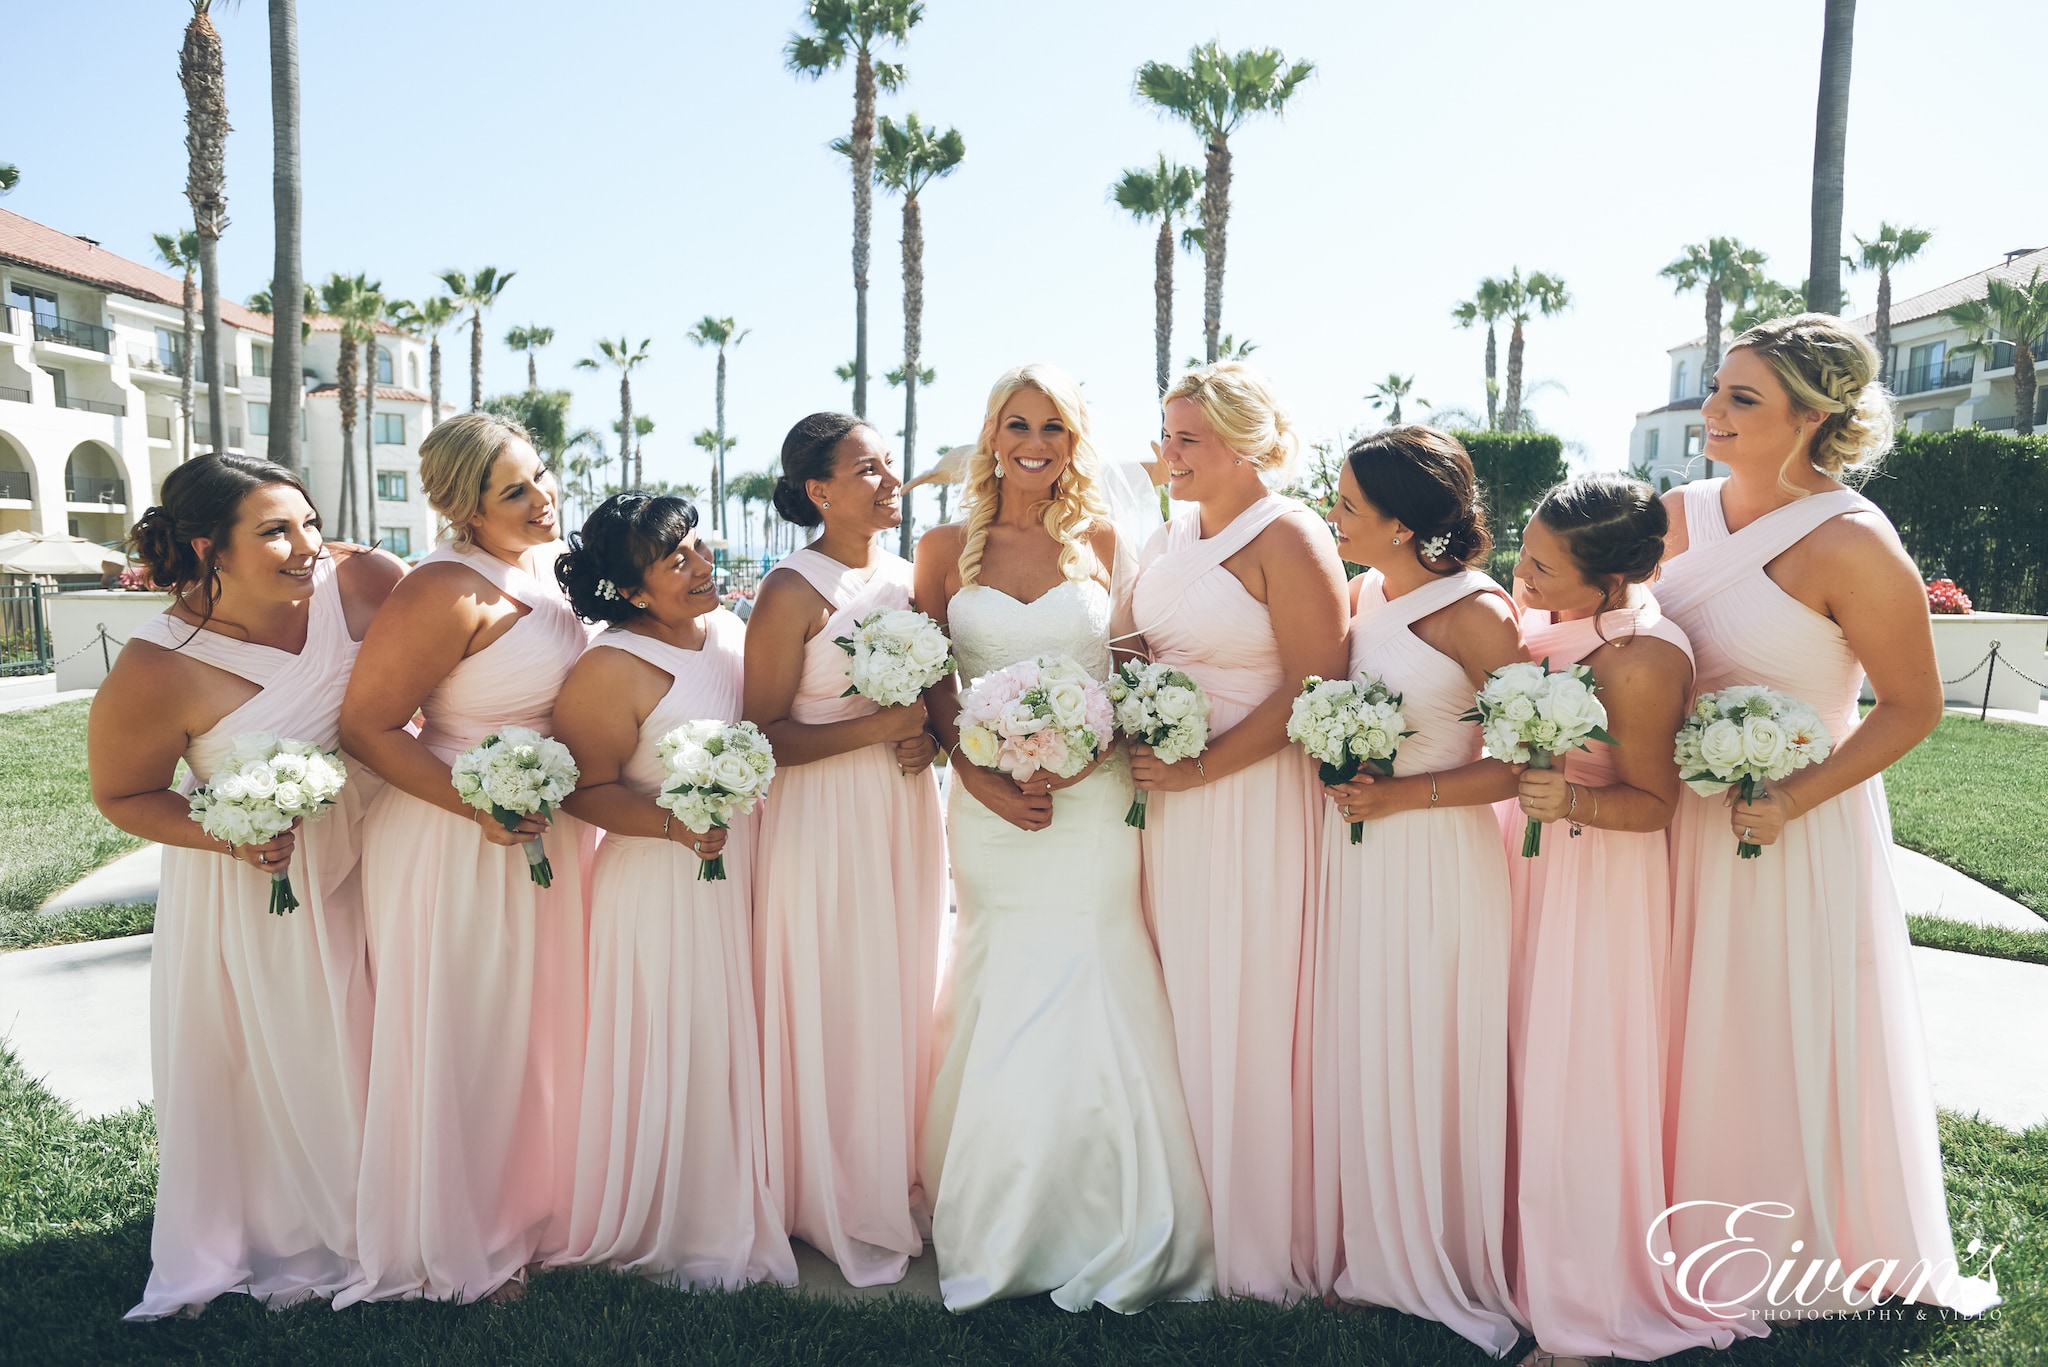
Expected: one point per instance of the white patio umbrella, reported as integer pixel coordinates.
(58, 555)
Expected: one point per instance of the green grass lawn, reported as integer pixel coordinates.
(50, 833)
(1974, 795)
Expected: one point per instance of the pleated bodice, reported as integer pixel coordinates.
(1434, 688)
(819, 690)
(704, 686)
(1568, 643)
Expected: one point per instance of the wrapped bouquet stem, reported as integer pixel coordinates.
(1162, 707)
(1529, 714)
(260, 789)
(1346, 725)
(515, 774)
(1743, 737)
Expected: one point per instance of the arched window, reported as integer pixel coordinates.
(1678, 389)
(412, 371)
(383, 366)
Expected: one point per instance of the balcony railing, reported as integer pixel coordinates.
(169, 363)
(202, 435)
(93, 406)
(13, 484)
(8, 391)
(1948, 374)
(91, 489)
(73, 332)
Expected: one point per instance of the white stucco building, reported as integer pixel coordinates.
(1936, 390)
(90, 363)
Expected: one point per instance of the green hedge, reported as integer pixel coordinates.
(1514, 469)
(1975, 504)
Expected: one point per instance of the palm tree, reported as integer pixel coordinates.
(1213, 94)
(643, 427)
(1830, 135)
(2019, 315)
(1540, 294)
(1727, 270)
(206, 136)
(1389, 393)
(426, 320)
(714, 446)
(840, 28)
(476, 295)
(750, 488)
(1164, 191)
(1766, 299)
(623, 355)
(1487, 305)
(181, 253)
(723, 333)
(10, 176)
(1887, 249)
(913, 155)
(544, 413)
(530, 339)
(287, 271)
(338, 300)
(1228, 349)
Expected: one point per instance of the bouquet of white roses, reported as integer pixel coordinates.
(1042, 713)
(1529, 714)
(1345, 724)
(716, 770)
(263, 786)
(1745, 735)
(516, 774)
(897, 654)
(1162, 707)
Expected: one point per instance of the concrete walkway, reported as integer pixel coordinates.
(134, 877)
(77, 1016)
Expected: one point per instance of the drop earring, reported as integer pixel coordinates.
(999, 469)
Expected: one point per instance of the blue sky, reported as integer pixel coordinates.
(640, 165)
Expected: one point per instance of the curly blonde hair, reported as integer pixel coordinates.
(1239, 403)
(1828, 367)
(1078, 505)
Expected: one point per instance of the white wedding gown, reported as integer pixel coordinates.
(1057, 1142)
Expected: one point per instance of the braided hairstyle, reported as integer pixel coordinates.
(201, 500)
(1827, 366)
(1612, 527)
(607, 560)
(1239, 404)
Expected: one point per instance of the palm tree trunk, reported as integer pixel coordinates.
(1215, 221)
(1713, 361)
(1884, 324)
(345, 402)
(206, 132)
(287, 273)
(209, 296)
(2023, 388)
(532, 374)
(913, 344)
(626, 430)
(1394, 418)
(370, 436)
(1162, 305)
(1511, 411)
(476, 361)
(1830, 135)
(718, 456)
(863, 141)
(1492, 385)
(434, 376)
(188, 363)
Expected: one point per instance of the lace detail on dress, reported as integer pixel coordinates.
(991, 629)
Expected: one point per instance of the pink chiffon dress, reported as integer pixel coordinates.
(260, 1024)
(849, 894)
(1586, 994)
(1229, 874)
(1798, 1065)
(477, 1056)
(671, 1158)
(1410, 1087)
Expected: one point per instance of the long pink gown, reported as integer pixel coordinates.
(1410, 1086)
(1229, 874)
(1798, 1063)
(671, 1157)
(477, 1058)
(849, 893)
(260, 1024)
(1586, 994)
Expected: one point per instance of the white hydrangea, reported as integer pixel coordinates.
(895, 655)
(1162, 707)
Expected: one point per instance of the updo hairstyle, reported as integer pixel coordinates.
(1827, 366)
(455, 465)
(1611, 526)
(1240, 405)
(622, 536)
(809, 452)
(1423, 477)
(201, 499)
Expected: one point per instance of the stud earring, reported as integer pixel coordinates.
(1397, 541)
(1238, 461)
(826, 503)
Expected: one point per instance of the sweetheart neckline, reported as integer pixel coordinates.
(1033, 602)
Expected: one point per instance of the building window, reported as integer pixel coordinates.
(383, 366)
(398, 540)
(41, 303)
(259, 419)
(259, 360)
(62, 382)
(1652, 439)
(390, 429)
(391, 486)
(1695, 442)
(170, 350)
(412, 371)
(1678, 389)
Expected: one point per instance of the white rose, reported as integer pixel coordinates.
(1069, 703)
(980, 747)
(732, 773)
(1174, 704)
(290, 798)
(1574, 707)
(1518, 708)
(1763, 741)
(232, 789)
(928, 649)
(1721, 747)
(1544, 735)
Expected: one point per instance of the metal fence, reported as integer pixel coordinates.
(24, 632)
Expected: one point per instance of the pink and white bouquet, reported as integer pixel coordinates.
(263, 786)
(1160, 706)
(1346, 725)
(515, 774)
(1042, 713)
(1744, 736)
(715, 771)
(1529, 714)
(896, 655)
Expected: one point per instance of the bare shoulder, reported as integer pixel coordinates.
(783, 590)
(943, 541)
(1488, 621)
(1642, 663)
(441, 585)
(1860, 536)
(147, 681)
(1674, 504)
(366, 575)
(1102, 541)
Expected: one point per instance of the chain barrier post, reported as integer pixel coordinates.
(106, 660)
(1991, 663)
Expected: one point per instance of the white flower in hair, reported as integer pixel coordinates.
(1436, 545)
(606, 589)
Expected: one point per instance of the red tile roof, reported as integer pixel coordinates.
(33, 244)
(384, 391)
(2016, 271)
(327, 322)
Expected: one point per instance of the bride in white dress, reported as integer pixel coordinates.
(1057, 1142)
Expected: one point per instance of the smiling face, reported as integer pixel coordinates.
(1750, 418)
(1547, 579)
(864, 492)
(269, 554)
(1033, 444)
(1365, 535)
(518, 509)
(1198, 463)
(679, 586)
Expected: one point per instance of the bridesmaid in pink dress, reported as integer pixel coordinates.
(1592, 928)
(671, 1163)
(1798, 1071)
(1245, 594)
(469, 1146)
(259, 1024)
(850, 872)
(1409, 1079)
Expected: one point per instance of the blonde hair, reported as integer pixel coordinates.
(1830, 368)
(1078, 504)
(1239, 404)
(455, 465)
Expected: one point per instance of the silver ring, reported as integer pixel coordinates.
(1747, 837)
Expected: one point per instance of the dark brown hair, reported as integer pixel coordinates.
(810, 452)
(1611, 525)
(1423, 477)
(622, 536)
(202, 499)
